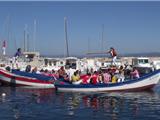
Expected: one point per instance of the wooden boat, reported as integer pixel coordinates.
(19, 78)
(145, 82)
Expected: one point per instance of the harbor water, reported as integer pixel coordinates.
(48, 104)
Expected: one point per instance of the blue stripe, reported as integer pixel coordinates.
(32, 75)
(102, 85)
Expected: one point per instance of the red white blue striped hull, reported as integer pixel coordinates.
(10, 79)
(144, 83)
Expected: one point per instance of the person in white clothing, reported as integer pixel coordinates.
(113, 54)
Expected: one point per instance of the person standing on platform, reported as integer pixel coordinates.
(16, 56)
(113, 54)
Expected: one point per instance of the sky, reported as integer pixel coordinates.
(129, 27)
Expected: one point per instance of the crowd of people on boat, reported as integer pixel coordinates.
(112, 74)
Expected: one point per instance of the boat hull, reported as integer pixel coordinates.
(10, 79)
(144, 83)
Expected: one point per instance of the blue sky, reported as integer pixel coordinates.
(130, 27)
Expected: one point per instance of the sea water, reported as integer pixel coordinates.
(48, 104)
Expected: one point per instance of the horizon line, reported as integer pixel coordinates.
(77, 0)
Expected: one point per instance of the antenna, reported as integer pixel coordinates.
(66, 37)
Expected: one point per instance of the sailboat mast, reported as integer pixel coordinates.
(34, 35)
(88, 45)
(25, 38)
(27, 42)
(66, 37)
(102, 44)
(8, 33)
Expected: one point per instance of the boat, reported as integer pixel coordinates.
(20, 78)
(142, 64)
(146, 82)
(156, 64)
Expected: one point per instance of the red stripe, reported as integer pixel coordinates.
(25, 79)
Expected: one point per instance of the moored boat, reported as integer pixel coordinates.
(145, 82)
(19, 78)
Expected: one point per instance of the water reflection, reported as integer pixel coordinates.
(72, 103)
(135, 106)
(38, 95)
(99, 102)
(112, 105)
(20, 103)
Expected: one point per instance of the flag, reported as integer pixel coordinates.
(4, 48)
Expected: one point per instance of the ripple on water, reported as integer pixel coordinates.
(30, 104)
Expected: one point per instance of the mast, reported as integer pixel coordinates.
(66, 37)
(4, 48)
(25, 38)
(27, 42)
(34, 36)
(24, 49)
(8, 33)
(15, 41)
(102, 42)
(88, 45)
(88, 49)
